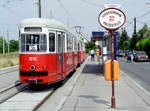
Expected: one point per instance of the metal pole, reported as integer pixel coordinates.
(3, 45)
(103, 54)
(8, 40)
(39, 8)
(51, 14)
(134, 34)
(112, 66)
(68, 23)
(134, 25)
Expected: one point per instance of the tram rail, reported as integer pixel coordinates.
(11, 91)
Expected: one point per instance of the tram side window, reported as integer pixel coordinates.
(69, 43)
(51, 42)
(23, 43)
(42, 43)
(76, 46)
(59, 43)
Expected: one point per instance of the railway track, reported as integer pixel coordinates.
(9, 96)
(10, 87)
(28, 99)
(42, 102)
(11, 91)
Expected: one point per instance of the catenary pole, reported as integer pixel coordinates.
(134, 33)
(51, 14)
(3, 45)
(8, 40)
(39, 8)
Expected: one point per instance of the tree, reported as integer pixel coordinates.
(143, 40)
(14, 45)
(147, 47)
(144, 45)
(142, 33)
(1, 45)
(89, 46)
(133, 42)
(126, 45)
(123, 37)
(118, 41)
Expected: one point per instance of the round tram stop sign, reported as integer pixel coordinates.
(111, 19)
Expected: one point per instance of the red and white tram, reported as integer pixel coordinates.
(48, 51)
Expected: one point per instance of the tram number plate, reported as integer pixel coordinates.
(32, 58)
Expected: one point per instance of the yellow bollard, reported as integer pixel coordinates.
(97, 53)
(108, 75)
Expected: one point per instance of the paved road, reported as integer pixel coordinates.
(8, 79)
(139, 71)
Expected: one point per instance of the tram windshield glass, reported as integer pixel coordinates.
(33, 43)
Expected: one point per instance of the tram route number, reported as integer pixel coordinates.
(32, 58)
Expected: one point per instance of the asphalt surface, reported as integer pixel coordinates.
(8, 79)
(138, 71)
(93, 93)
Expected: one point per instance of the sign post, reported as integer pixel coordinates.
(112, 19)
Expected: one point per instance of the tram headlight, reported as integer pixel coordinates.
(32, 67)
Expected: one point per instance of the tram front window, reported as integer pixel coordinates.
(33, 43)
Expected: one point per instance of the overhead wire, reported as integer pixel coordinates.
(66, 11)
(91, 3)
(12, 11)
(10, 1)
(143, 15)
(141, 22)
(6, 25)
(129, 23)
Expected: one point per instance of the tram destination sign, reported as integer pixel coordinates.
(111, 18)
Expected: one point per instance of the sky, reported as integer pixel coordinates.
(70, 12)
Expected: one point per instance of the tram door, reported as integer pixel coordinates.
(60, 54)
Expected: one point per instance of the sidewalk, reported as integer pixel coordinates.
(93, 93)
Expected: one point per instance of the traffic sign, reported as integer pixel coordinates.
(111, 18)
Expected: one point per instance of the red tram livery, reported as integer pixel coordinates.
(48, 51)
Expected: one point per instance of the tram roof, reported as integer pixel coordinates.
(41, 22)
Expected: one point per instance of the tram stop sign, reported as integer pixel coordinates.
(111, 19)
